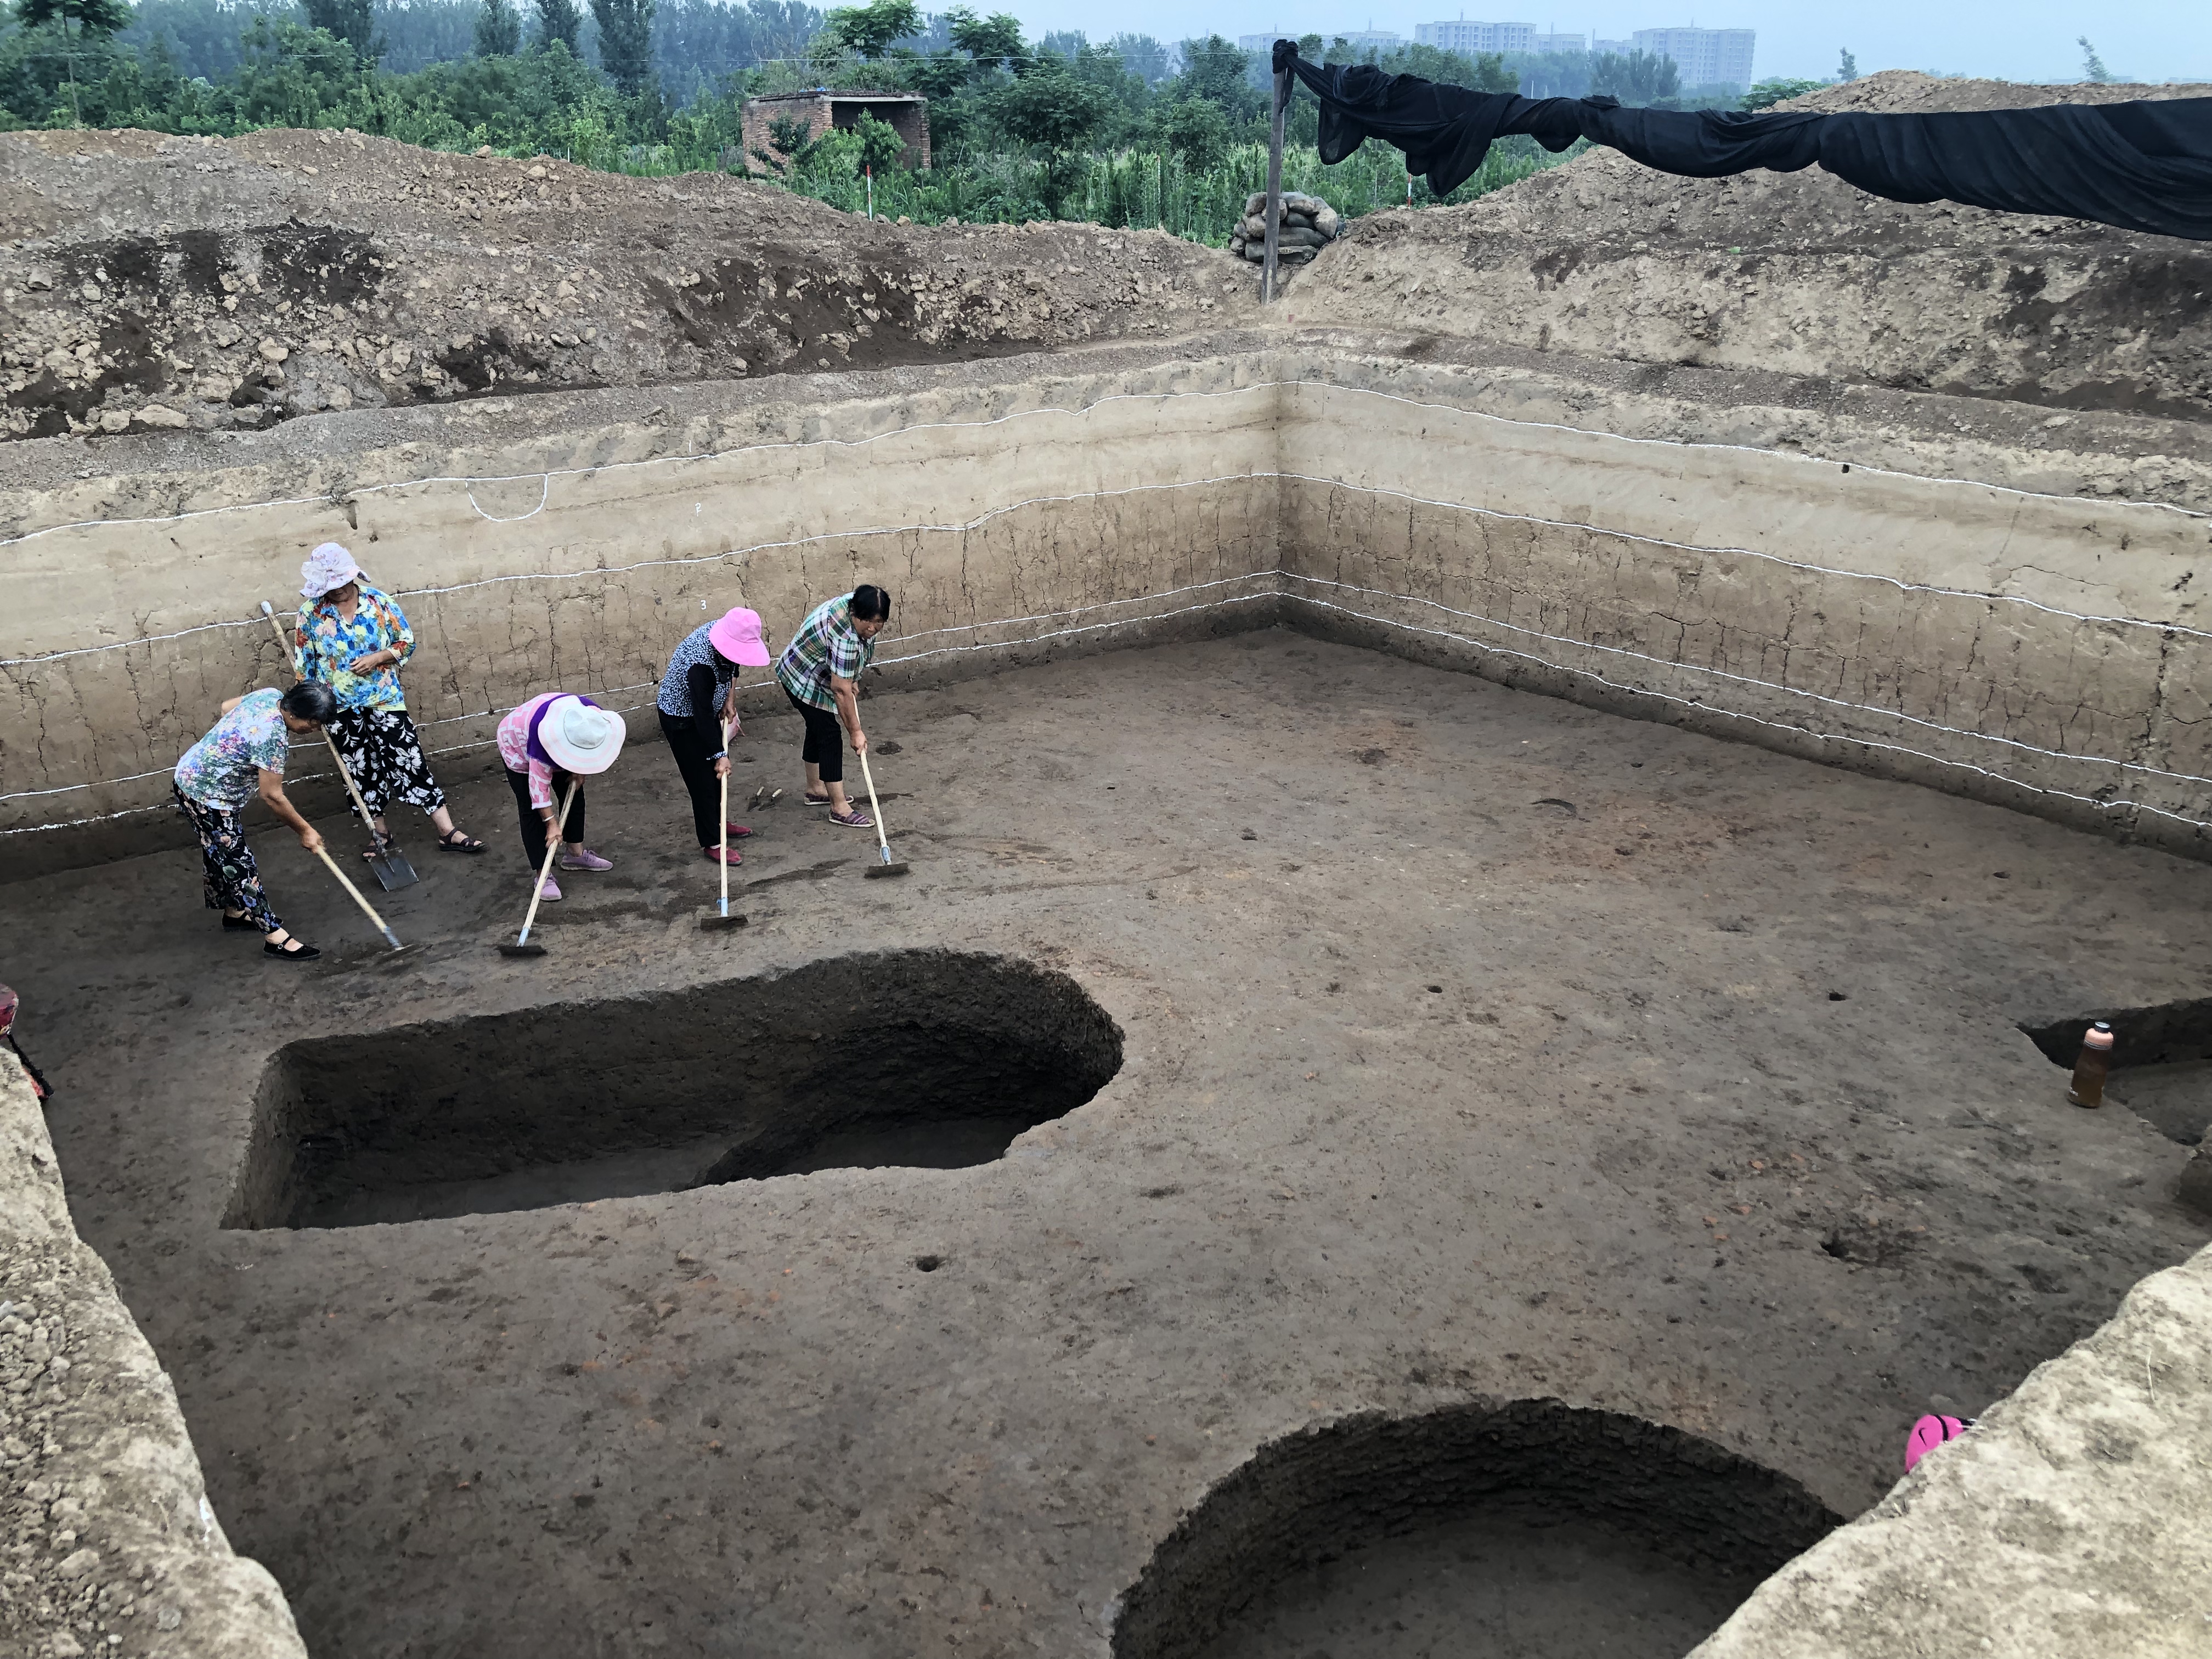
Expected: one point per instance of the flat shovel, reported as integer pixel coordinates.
(386, 861)
(713, 922)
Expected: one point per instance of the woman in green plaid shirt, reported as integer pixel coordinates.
(820, 672)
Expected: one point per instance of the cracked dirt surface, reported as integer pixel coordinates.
(152, 282)
(1803, 273)
(1478, 1047)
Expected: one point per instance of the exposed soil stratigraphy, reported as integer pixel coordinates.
(238, 283)
(1800, 273)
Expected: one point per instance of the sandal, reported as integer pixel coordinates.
(855, 819)
(305, 952)
(738, 831)
(816, 801)
(713, 855)
(459, 841)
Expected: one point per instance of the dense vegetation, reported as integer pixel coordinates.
(1125, 132)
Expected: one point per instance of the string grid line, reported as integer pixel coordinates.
(2101, 804)
(469, 482)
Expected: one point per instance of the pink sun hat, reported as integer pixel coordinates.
(739, 636)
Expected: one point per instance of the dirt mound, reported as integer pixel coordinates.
(158, 281)
(1800, 273)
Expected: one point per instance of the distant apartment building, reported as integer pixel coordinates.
(1560, 42)
(1599, 47)
(1706, 57)
(1463, 36)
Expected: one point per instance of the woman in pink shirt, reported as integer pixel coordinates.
(553, 740)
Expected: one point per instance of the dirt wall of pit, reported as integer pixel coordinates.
(104, 1509)
(1868, 583)
(2071, 1519)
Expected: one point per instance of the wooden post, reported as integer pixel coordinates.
(1274, 187)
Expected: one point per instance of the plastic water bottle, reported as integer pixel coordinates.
(2089, 1070)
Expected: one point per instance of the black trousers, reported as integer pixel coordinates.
(534, 826)
(825, 740)
(697, 763)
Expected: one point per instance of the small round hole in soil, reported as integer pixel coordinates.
(1437, 988)
(1838, 996)
(1535, 1529)
(929, 1264)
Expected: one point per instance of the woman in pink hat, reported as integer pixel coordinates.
(698, 706)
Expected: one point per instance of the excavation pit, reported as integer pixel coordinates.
(1533, 1529)
(932, 1059)
(2161, 1061)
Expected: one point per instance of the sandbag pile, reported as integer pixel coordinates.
(1310, 224)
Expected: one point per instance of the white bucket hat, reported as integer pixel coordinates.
(328, 568)
(580, 737)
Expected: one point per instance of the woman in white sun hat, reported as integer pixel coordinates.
(555, 739)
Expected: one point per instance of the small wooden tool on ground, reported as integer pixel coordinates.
(714, 922)
(386, 861)
(367, 910)
(522, 946)
(888, 867)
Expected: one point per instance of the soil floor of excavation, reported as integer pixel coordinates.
(1476, 1046)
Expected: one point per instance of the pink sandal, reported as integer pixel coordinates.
(855, 819)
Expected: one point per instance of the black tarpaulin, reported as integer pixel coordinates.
(2144, 165)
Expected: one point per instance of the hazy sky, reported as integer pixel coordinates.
(2015, 40)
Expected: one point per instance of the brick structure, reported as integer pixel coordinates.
(906, 112)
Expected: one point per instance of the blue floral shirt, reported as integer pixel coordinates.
(223, 768)
(328, 643)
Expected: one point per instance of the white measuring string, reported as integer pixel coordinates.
(468, 483)
(1755, 719)
(763, 686)
(863, 532)
(1900, 585)
(689, 456)
(966, 526)
(1748, 680)
(1296, 383)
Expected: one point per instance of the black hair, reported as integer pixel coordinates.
(871, 603)
(311, 700)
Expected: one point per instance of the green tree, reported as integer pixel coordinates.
(1047, 109)
(868, 30)
(559, 20)
(1218, 71)
(98, 18)
(1639, 78)
(625, 42)
(1847, 67)
(880, 144)
(350, 21)
(2093, 67)
(990, 42)
(1195, 129)
(1143, 57)
(1767, 94)
(499, 29)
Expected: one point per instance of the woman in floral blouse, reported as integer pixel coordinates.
(353, 637)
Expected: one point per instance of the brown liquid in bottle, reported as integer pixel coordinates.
(2089, 1070)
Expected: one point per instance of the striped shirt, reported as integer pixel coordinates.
(827, 643)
